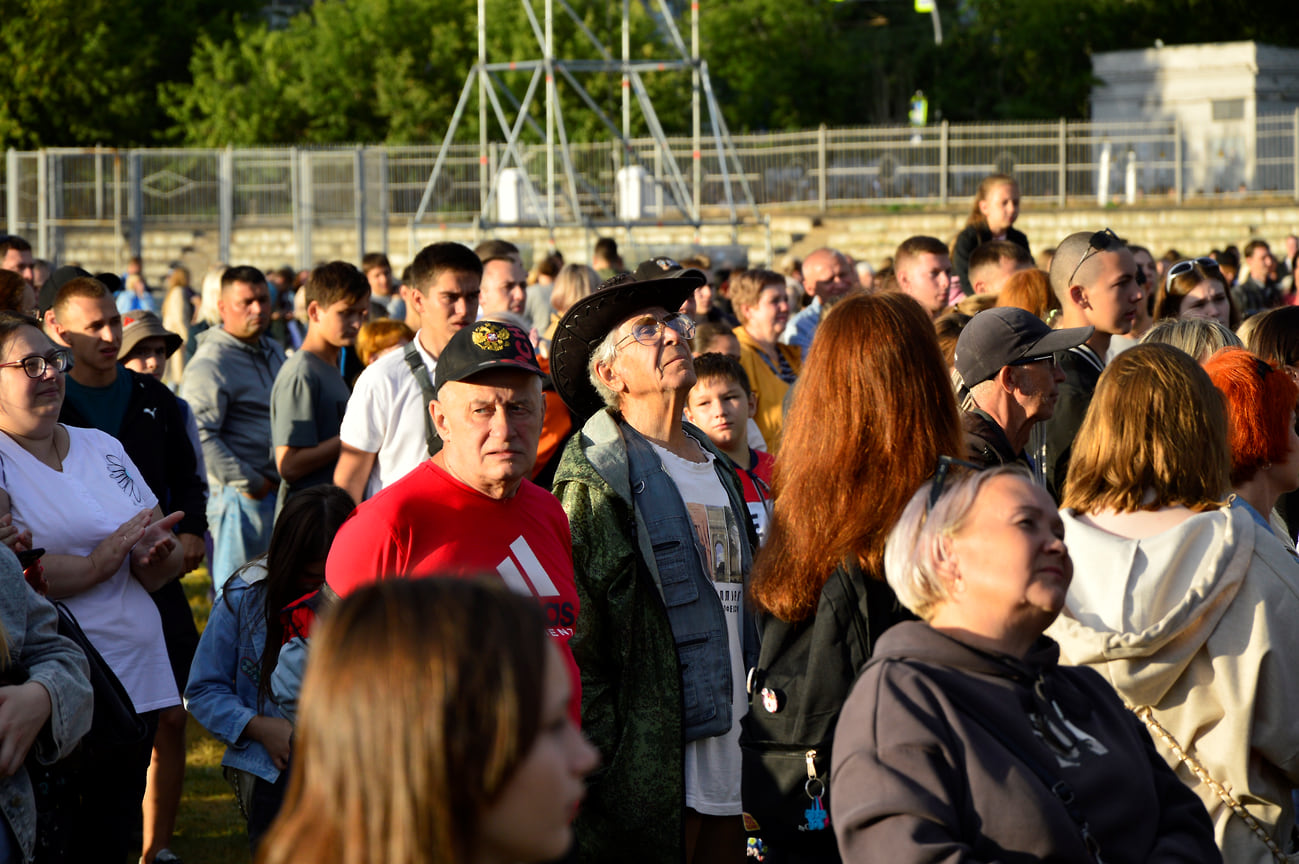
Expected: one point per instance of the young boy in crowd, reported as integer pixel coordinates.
(721, 404)
(310, 396)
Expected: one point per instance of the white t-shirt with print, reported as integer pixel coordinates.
(69, 512)
(712, 768)
(385, 416)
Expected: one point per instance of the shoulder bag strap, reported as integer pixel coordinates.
(420, 371)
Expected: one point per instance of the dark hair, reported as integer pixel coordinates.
(496, 250)
(243, 273)
(13, 241)
(11, 322)
(550, 265)
(715, 365)
(947, 330)
(1275, 337)
(373, 261)
(996, 251)
(606, 248)
(874, 408)
(334, 282)
(437, 258)
(1254, 245)
(706, 332)
(302, 535)
(12, 287)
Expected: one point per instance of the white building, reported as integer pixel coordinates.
(1236, 103)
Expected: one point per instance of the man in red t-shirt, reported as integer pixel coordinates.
(470, 510)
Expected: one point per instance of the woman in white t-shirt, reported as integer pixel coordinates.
(107, 546)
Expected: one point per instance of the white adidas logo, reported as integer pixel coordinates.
(536, 582)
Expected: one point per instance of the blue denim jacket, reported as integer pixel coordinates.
(222, 688)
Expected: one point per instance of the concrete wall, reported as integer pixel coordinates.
(873, 236)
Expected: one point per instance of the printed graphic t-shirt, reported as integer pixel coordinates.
(430, 524)
(712, 766)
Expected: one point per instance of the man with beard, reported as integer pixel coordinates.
(1008, 381)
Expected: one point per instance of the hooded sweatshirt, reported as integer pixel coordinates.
(228, 386)
(932, 763)
(1199, 623)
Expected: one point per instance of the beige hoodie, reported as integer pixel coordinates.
(1201, 623)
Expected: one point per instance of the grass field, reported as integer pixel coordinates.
(209, 829)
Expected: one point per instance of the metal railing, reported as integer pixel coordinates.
(372, 188)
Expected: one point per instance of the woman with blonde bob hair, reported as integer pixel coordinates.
(1188, 603)
(965, 737)
(433, 727)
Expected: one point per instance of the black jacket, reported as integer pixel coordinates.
(1076, 391)
(153, 435)
(986, 443)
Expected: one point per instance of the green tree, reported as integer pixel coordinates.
(85, 72)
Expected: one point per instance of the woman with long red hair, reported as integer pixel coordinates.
(873, 411)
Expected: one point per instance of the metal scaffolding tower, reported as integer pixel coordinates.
(563, 197)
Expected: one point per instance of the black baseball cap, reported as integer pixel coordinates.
(483, 346)
(1005, 336)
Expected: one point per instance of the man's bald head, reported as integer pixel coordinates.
(827, 275)
(1076, 262)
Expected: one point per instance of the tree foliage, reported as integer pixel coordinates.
(85, 72)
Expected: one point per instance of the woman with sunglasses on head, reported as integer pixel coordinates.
(965, 739)
(107, 546)
(1195, 288)
(1186, 603)
(873, 410)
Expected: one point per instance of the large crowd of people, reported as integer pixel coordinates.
(980, 557)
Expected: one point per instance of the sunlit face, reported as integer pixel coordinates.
(767, 317)
(339, 322)
(531, 818)
(148, 357)
(490, 426)
(926, 278)
(1013, 570)
(649, 370)
(245, 309)
(1111, 296)
(380, 279)
(827, 277)
(1206, 300)
(1001, 207)
(92, 328)
(504, 286)
(28, 404)
(722, 409)
(452, 303)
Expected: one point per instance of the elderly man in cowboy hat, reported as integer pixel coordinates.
(661, 548)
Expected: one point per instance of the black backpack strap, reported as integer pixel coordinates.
(420, 371)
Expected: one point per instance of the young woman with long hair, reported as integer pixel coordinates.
(433, 727)
(873, 411)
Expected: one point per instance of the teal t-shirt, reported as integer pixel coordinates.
(103, 407)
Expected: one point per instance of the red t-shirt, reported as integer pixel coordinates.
(430, 524)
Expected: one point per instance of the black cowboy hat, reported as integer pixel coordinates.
(657, 282)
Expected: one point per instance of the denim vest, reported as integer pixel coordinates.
(694, 611)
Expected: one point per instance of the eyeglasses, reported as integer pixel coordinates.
(35, 365)
(1041, 358)
(1101, 241)
(649, 330)
(1186, 267)
(945, 466)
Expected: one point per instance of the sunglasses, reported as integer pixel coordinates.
(1101, 241)
(1186, 267)
(946, 464)
(1041, 358)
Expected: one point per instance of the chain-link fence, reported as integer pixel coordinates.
(373, 188)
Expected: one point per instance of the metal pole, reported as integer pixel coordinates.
(226, 207)
(1062, 173)
(358, 200)
(1178, 182)
(135, 179)
(295, 203)
(484, 182)
(626, 78)
(944, 159)
(11, 191)
(821, 167)
(99, 184)
(696, 150)
(1294, 151)
(42, 204)
(117, 197)
(550, 115)
(384, 204)
(307, 184)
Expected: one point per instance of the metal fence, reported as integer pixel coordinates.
(374, 188)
